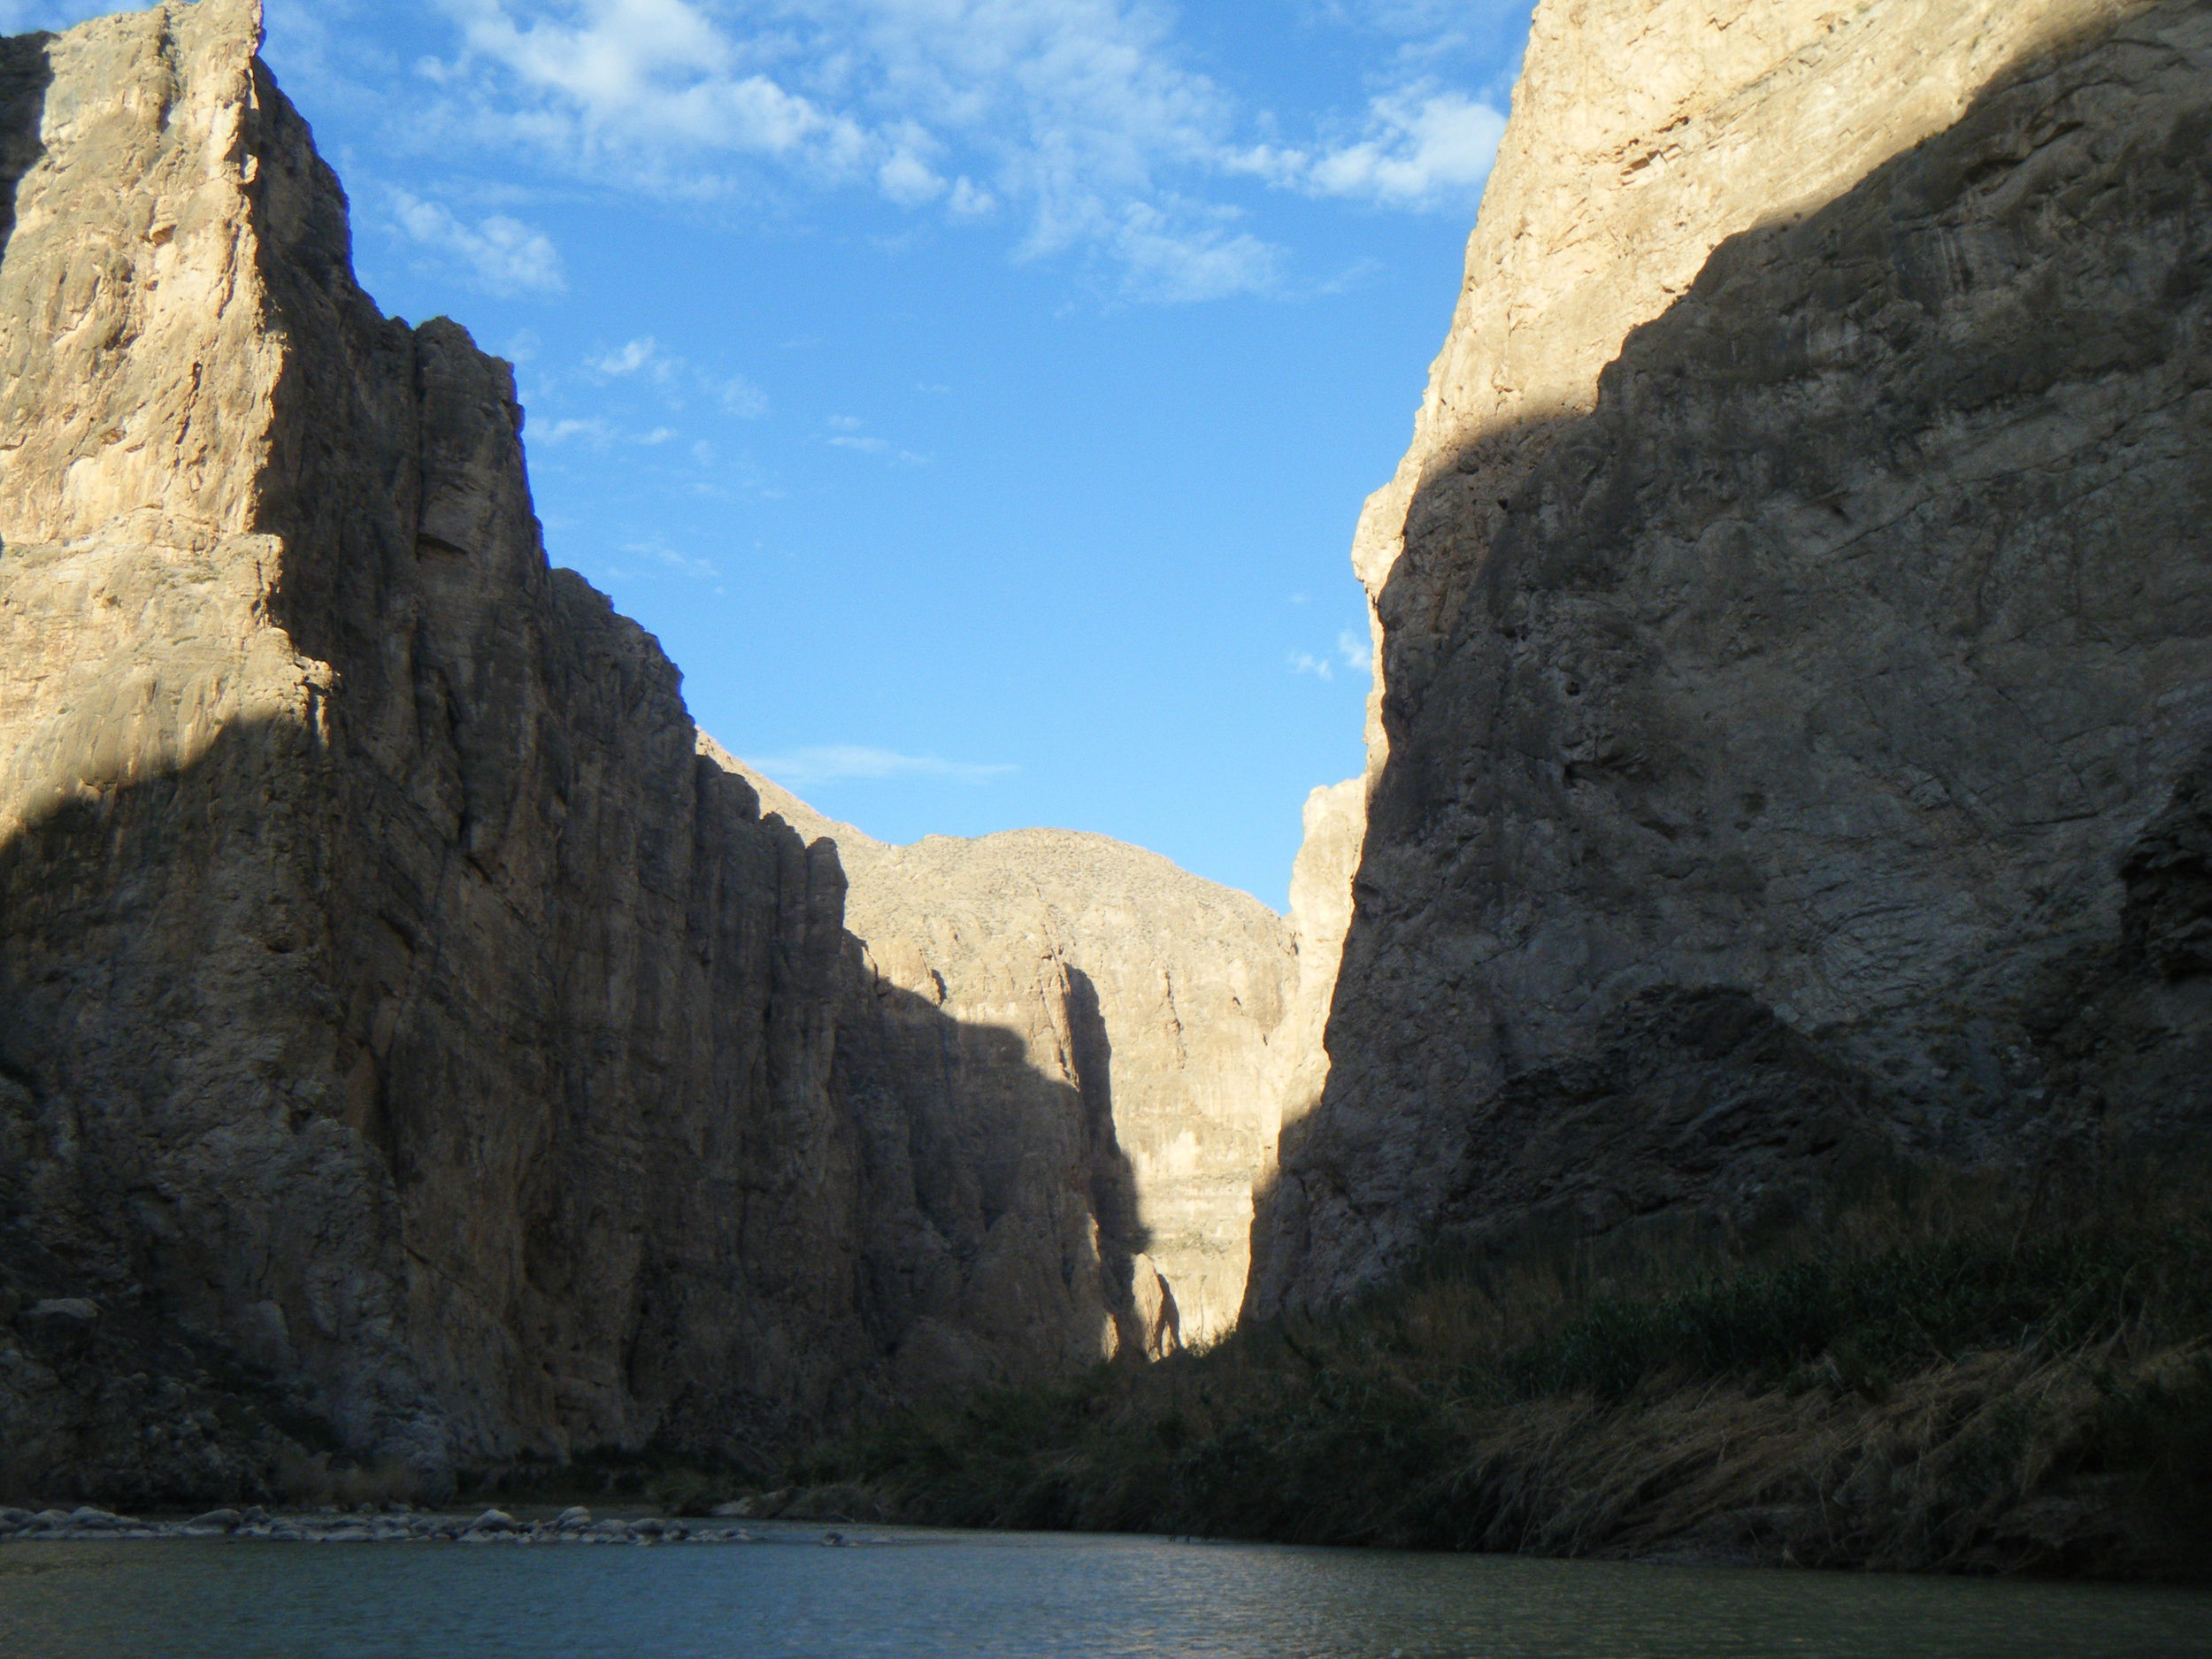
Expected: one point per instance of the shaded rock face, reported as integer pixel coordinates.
(1146, 993)
(415, 1042)
(1795, 636)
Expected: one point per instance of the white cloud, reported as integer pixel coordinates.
(846, 433)
(1422, 146)
(970, 200)
(506, 255)
(1352, 652)
(1174, 255)
(20, 17)
(629, 74)
(668, 558)
(743, 398)
(627, 360)
(1084, 120)
(645, 357)
(1075, 109)
(840, 763)
(908, 180)
(598, 433)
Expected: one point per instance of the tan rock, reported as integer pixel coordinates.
(1791, 611)
(1150, 993)
(406, 1021)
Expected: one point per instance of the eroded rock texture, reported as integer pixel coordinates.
(1150, 993)
(1795, 634)
(415, 1044)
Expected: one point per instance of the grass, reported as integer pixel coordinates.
(1938, 1375)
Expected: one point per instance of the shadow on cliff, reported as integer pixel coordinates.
(1025, 1200)
(25, 74)
(212, 1255)
(1687, 1096)
(1122, 1234)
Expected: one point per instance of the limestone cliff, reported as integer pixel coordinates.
(415, 1042)
(1794, 635)
(1107, 973)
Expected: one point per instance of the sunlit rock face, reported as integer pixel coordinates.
(1155, 997)
(1794, 637)
(416, 1045)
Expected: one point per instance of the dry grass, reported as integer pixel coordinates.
(1934, 1376)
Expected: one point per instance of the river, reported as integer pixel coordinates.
(918, 1594)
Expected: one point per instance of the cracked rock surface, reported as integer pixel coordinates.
(1795, 627)
(417, 1047)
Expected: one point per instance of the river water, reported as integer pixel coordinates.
(919, 1594)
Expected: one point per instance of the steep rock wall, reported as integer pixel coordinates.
(1794, 634)
(415, 1044)
(1154, 996)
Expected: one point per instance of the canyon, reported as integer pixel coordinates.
(418, 1045)
(422, 1050)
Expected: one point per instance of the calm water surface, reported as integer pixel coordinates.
(920, 1594)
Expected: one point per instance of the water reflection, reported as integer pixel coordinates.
(921, 1594)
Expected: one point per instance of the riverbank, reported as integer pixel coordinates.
(1936, 1378)
(365, 1525)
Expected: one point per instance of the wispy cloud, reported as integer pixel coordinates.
(646, 360)
(1079, 113)
(638, 355)
(1423, 145)
(668, 558)
(1352, 653)
(598, 433)
(1083, 127)
(504, 255)
(743, 398)
(846, 433)
(841, 763)
(20, 17)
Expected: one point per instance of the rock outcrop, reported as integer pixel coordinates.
(1795, 627)
(416, 1044)
(1102, 972)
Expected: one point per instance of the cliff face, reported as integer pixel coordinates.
(1078, 967)
(415, 1044)
(1794, 625)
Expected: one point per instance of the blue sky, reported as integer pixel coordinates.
(975, 397)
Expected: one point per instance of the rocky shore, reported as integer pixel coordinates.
(396, 1524)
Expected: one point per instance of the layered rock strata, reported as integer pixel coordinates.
(1794, 635)
(416, 1044)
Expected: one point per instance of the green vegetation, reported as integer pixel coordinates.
(1934, 1376)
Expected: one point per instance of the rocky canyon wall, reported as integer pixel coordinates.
(1794, 638)
(1156, 996)
(416, 1042)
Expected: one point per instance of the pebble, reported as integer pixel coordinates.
(573, 1525)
